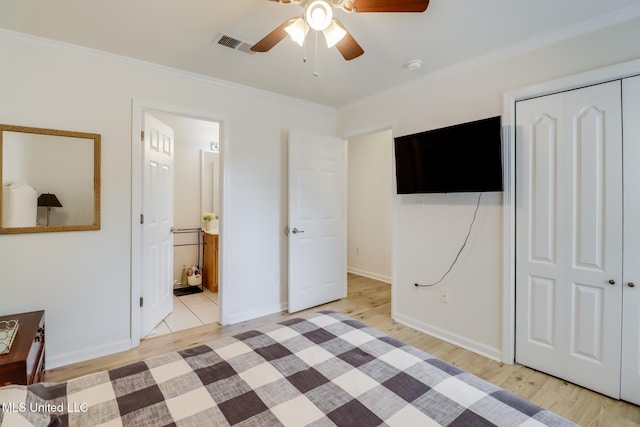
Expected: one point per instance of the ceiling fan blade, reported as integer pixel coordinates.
(390, 5)
(348, 46)
(273, 38)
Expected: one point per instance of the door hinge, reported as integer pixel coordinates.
(141, 301)
(141, 218)
(141, 135)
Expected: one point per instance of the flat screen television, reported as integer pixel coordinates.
(462, 158)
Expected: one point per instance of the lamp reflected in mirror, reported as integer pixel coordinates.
(49, 201)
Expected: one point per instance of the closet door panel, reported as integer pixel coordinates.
(569, 235)
(586, 339)
(594, 218)
(630, 388)
(541, 295)
(539, 268)
(588, 136)
(542, 175)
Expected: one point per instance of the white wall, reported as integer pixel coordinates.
(83, 279)
(430, 228)
(370, 183)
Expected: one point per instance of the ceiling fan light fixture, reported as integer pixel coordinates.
(319, 15)
(298, 30)
(333, 33)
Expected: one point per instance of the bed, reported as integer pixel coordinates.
(319, 369)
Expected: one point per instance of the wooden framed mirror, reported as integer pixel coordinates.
(50, 180)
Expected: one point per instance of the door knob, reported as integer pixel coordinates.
(631, 284)
(612, 282)
(296, 231)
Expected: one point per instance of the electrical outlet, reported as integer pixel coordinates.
(444, 296)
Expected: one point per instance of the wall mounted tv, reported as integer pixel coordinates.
(455, 159)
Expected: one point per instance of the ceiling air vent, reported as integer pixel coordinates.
(233, 43)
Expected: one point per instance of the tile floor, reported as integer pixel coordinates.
(189, 311)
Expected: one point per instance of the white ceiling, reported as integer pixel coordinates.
(181, 34)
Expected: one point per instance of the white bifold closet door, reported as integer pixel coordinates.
(569, 212)
(630, 387)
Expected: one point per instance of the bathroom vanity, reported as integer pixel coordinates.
(211, 260)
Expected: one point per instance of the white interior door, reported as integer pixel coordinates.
(569, 236)
(317, 220)
(630, 387)
(157, 236)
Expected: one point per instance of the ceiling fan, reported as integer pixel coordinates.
(318, 15)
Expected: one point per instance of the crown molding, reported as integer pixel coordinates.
(526, 46)
(95, 54)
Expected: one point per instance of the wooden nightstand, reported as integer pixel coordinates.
(24, 364)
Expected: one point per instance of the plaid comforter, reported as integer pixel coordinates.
(321, 369)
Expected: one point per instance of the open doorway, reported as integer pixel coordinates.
(370, 195)
(196, 194)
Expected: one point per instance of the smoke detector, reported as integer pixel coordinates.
(413, 64)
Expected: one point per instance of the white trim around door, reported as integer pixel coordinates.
(138, 108)
(614, 72)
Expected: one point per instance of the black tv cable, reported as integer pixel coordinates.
(466, 239)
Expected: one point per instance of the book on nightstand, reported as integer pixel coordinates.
(8, 331)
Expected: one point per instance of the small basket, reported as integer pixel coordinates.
(194, 280)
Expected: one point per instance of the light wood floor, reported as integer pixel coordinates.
(370, 302)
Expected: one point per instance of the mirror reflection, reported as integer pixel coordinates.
(210, 192)
(50, 180)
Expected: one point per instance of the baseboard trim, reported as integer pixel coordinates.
(69, 358)
(250, 315)
(458, 340)
(369, 275)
